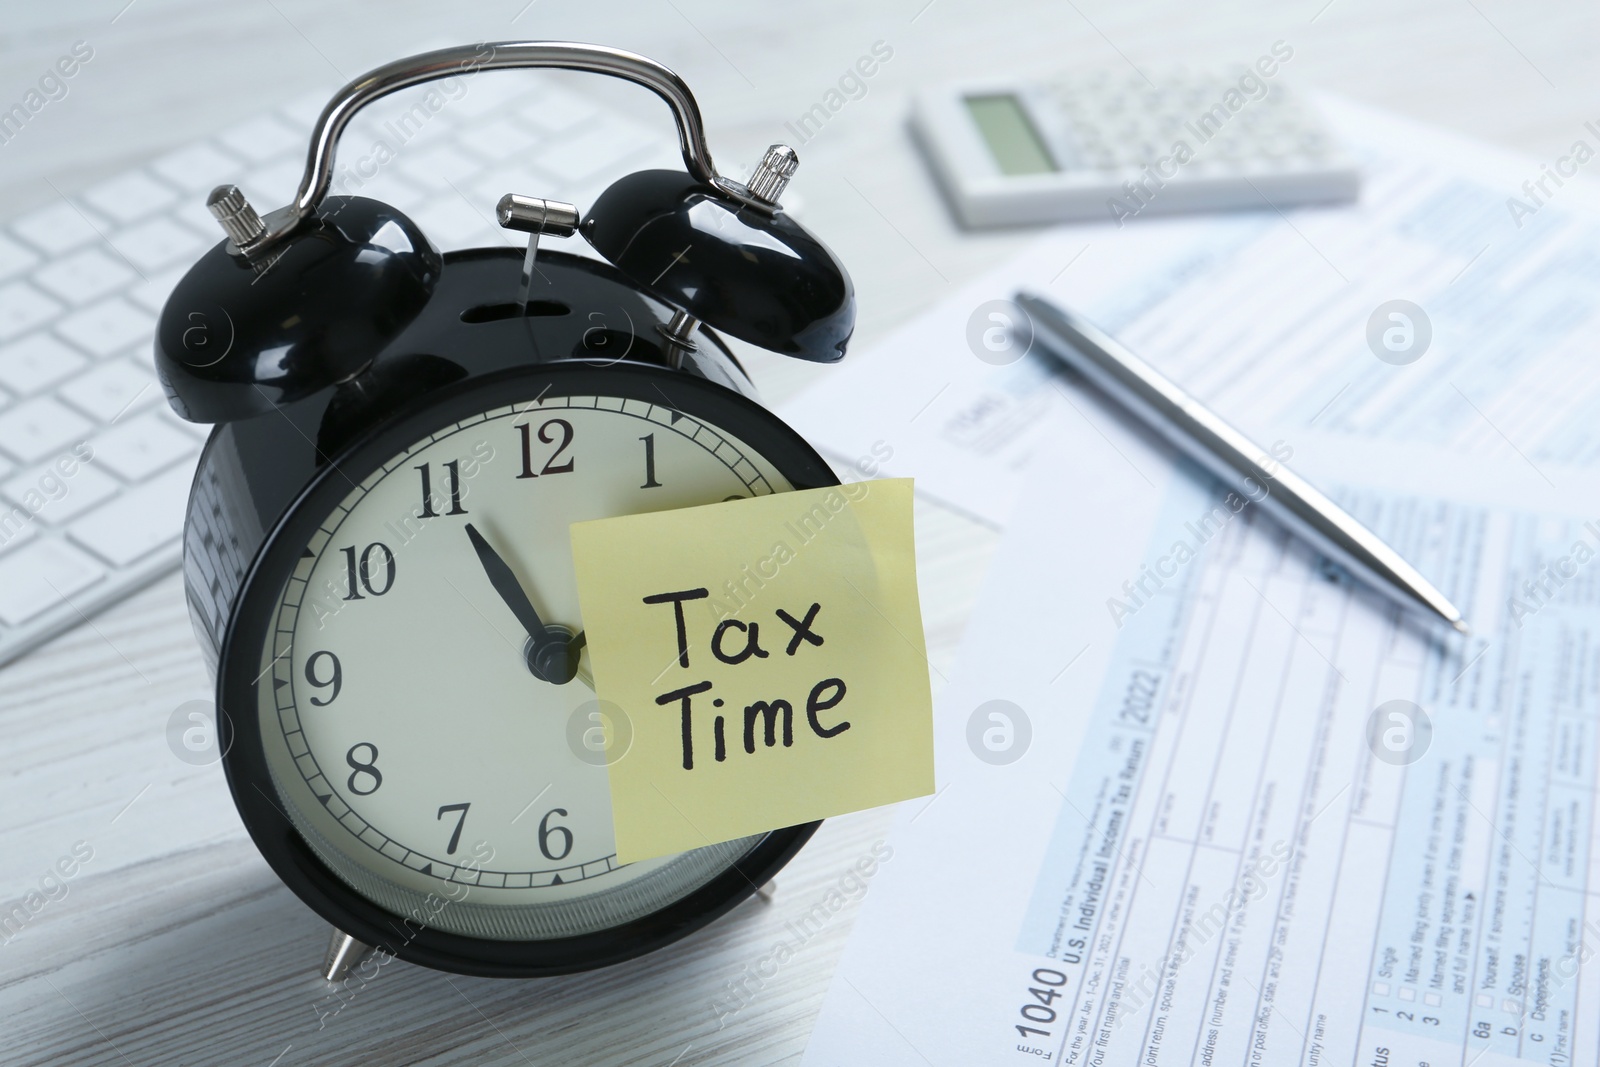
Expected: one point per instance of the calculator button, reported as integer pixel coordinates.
(39, 427)
(139, 521)
(83, 276)
(33, 362)
(108, 327)
(41, 576)
(139, 447)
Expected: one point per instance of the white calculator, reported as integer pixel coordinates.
(1110, 145)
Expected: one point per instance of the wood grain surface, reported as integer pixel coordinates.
(173, 943)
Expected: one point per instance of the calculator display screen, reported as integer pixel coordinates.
(1010, 133)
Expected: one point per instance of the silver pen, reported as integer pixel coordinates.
(1200, 434)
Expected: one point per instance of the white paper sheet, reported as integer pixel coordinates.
(1265, 318)
(1208, 854)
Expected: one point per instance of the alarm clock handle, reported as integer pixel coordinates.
(263, 233)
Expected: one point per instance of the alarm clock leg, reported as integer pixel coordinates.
(344, 953)
(767, 891)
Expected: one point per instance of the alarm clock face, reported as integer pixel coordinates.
(433, 764)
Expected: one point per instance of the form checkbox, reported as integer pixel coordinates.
(1407, 993)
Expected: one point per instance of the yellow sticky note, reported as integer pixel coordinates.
(769, 656)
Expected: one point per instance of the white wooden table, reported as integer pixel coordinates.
(174, 943)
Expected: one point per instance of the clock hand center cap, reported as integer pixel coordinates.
(553, 655)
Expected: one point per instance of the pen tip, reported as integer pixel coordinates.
(1461, 626)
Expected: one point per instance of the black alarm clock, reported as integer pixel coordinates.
(376, 551)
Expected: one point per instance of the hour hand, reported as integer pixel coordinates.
(551, 653)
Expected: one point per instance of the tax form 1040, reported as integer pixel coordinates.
(1204, 802)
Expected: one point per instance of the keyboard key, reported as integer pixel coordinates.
(435, 169)
(192, 212)
(499, 139)
(493, 94)
(76, 316)
(108, 327)
(271, 187)
(602, 145)
(83, 276)
(302, 111)
(41, 576)
(138, 447)
(139, 521)
(152, 293)
(451, 222)
(17, 527)
(159, 243)
(111, 390)
(198, 168)
(56, 497)
(514, 175)
(22, 307)
(41, 427)
(387, 186)
(58, 228)
(197, 430)
(559, 110)
(33, 362)
(130, 197)
(367, 129)
(264, 138)
(14, 258)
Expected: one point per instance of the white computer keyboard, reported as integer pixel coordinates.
(94, 467)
